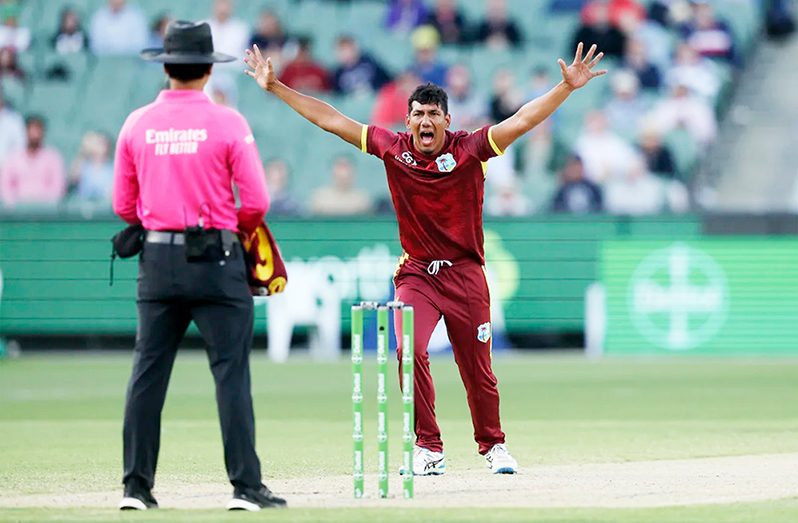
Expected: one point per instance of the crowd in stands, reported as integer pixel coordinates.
(669, 61)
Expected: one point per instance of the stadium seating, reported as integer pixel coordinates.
(98, 92)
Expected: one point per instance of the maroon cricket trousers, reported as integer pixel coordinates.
(458, 291)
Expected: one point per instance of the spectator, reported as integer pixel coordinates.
(686, 111)
(467, 109)
(427, 66)
(9, 67)
(10, 33)
(635, 59)
(565, 6)
(658, 157)
(158, 30)
(92, 172)
(542, 152)
(505, 98)
(699, 74)
(70, 36)
(118, 29)
(497, 30)
(222, 89)
(390, 107)
(269, 32)
(539, 82)
(341, 198)
(637, 192)
(576, 194)
(447, 19)
(230, 34)
(603, 152)
(303, 73)
(33, 175)
(656, 41)
(597, 30)
(626, 107)
(12, 131)
(711, 37)
(404, 16)
(616, 10)
(508, 200)
(277, 180)
(357, 72)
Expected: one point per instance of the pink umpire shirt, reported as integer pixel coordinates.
(177, 160)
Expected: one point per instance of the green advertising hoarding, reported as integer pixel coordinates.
(704, 297)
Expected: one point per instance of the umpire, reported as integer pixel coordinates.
(177, 160)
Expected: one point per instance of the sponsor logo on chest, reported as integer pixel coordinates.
(406, 158)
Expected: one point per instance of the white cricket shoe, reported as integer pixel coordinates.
(500, 461)
(426, 462)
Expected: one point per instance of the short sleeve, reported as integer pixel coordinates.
(481, 145)
(377, 140)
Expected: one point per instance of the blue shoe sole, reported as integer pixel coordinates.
(505, 470)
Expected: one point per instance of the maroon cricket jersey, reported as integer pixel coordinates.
(438, 198)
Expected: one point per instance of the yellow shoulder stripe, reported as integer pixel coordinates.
(363, 137)
(495, 147)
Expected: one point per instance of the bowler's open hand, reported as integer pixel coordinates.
(581, 71)
(260, 68)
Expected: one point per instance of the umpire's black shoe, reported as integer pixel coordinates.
(137, 499)
(254, 500)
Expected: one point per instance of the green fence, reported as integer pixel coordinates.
(56, 270)
(707, 297)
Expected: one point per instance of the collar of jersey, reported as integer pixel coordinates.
(182, 95)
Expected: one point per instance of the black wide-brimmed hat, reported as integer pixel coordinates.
(186, 43)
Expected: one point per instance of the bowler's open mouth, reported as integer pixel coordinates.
(427, 137)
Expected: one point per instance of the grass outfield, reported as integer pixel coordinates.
(60, 429)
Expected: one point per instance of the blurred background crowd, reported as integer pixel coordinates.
(629, 144)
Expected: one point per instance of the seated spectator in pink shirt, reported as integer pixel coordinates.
(303, 73)
(34, 175)
(342, 197)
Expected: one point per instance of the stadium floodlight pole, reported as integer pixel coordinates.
(408, 413)
(382, 400)
(357, 398)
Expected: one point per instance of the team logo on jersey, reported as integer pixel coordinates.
(445, 162)
(483, 332)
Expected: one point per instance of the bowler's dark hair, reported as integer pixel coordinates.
(429, 94)
(187, 72)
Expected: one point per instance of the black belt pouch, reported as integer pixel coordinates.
(203, 245)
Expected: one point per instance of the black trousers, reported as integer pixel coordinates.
(172, 293)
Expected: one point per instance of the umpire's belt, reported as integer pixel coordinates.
(178, 238)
